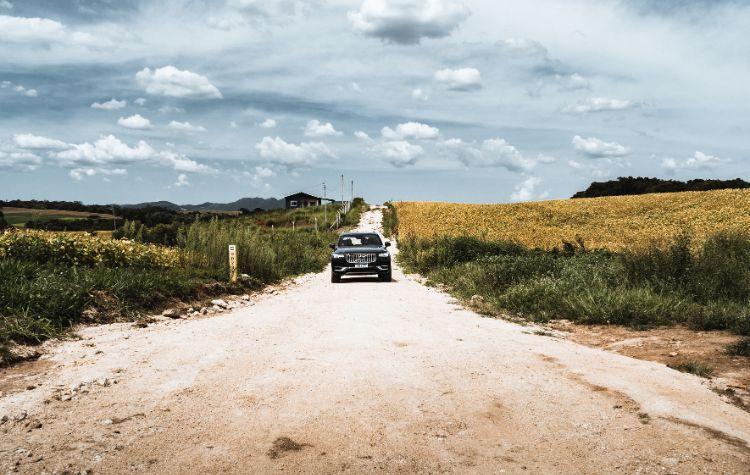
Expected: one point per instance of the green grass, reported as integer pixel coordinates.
(740, 348)
(693, 367)
(708, 290)
(19, 216)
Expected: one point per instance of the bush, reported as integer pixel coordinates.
(706, 289)
(3, 222)
(83, 250)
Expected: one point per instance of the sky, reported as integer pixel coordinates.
(190, 101)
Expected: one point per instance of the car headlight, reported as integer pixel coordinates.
(383, 254)
(337, 255)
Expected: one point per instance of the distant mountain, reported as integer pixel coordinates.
(247, 203)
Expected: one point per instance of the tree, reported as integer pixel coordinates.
(3, 222)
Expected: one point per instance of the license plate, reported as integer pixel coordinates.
(360, 266)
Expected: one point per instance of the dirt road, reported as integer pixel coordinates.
(360, 377)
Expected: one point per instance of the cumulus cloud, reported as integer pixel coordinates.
(420, 94)
(6, 4)
(598, 104)
(411, 130)
(398, 153)
(109, 150)
(571, 82)
(408, 21)
(522, 47)
(19, 89)
(141, 101)
(699, 161)
(79, 174)
(110, 105)
(186, 127)
(292, 156)
(182, 180)
(268, 124)
(362, 135)
(19, 161)
(493, 153)
(173, 82)
(36, 142)
(595, 148)
(259, 176)
(526, 190)
(464, 79)
(316, 128)
(135, 122)
(41, 31)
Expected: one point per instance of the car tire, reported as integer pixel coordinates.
(387, 277)
(335, 278)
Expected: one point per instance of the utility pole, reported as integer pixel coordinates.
(352, 190)
(325, 206)
(342, 190)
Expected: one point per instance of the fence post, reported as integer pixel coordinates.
(232, 263)
(292, 225)
(316, 224)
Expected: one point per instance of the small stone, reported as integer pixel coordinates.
(30, 387)
(36, 425)
(204, 310)
(221, 303)
(66, 397)
(673, 354)
(3, 419)
(171, 313)
(21, 416)
(103, 382)
(245, 297)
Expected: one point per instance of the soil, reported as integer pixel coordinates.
(357, 377)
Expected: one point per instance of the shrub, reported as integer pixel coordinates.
(693, 367)
(740, 348)
(3, 222)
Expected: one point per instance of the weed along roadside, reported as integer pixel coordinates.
(52, 281)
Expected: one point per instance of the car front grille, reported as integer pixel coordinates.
(356, 258)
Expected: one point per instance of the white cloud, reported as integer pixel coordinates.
(36, 142)
(521, 47)
(699, 161)
(171, 110)
(182, 180)
(259, 176)
(186, 127)
(398, 153)
(19, 161)
(109, 150)
(526, 190)
(464, 79)
(268, 124)
(135, 121)
(290, 155)
(42, 31)
(110, 105)
(233, 124)
(420, 94)
(362, 135)
(79, 174)
(6, 4)
(411, 130)
(572, 82)
(408, 21)
(598, 104)
(596, 148)
(493, 153)
(316, 128)
(141, 101)
(19, 89)
(173, 82)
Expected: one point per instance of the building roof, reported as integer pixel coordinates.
(302, 195)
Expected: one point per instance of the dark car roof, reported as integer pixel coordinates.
(359, 234)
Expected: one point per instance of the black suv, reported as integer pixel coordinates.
(360, 254)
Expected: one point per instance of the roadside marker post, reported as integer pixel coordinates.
(232, 263)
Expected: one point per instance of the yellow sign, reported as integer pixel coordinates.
(232, 263)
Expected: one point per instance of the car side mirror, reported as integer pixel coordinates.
(388, 244)
(332, 246)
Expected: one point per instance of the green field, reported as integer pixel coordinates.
(19, 216)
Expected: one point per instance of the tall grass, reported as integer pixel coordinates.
(263, 254)
(704, 289)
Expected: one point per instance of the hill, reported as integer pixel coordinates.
(247, 203)
(643, 185)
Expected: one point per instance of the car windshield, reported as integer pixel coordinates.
(360, 240)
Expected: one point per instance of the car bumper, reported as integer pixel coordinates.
(343, 268)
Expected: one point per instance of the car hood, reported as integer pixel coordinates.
(359, 249)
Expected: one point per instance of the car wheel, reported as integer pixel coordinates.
(385, 277)
(335, 278)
